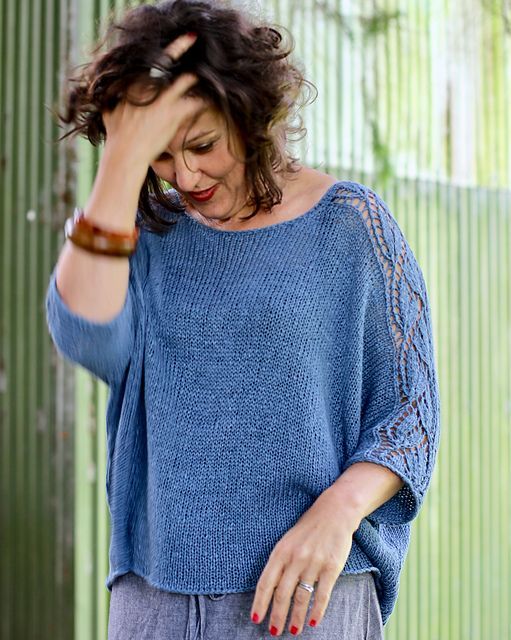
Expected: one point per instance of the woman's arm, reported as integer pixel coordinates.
(92, 301)
(95, 286)
(90, 311)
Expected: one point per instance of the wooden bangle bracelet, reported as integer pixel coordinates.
(87, 235)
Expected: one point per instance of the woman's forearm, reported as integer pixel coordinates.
(95, 286)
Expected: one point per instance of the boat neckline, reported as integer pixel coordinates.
(268, 228)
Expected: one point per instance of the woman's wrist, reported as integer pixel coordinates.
(113, 201)
(83, 233)
(347, 510)
(121, 157)
(363, 487)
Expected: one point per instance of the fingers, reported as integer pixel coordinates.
(290, 593)
(149, 115)
(279, 582)
(139, 91)
(180, 45)
(165, 64)
(268, 580)
(183, 83)
(322, 595)
(301, 601)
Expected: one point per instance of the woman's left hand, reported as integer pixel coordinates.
(314, 550)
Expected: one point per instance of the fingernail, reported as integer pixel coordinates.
(274, 631)
(255, 618)
(312, 623)
(294, 630)
(191, 34)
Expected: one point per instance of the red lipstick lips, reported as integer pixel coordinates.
(203, 196)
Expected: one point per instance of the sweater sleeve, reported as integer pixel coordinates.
(103, 348)
(400, 409)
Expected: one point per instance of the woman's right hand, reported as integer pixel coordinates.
(143, 133)
(93, 286)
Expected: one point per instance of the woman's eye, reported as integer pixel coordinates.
(203, 148)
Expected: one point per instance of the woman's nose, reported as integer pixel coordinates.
(187, 174)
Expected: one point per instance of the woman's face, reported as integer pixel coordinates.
(203, 163)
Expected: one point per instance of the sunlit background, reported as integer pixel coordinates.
(414, 101)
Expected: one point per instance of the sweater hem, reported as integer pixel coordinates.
(112, 577)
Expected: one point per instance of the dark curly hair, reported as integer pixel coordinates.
(244, 70)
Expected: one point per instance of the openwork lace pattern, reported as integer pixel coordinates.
(407, 440)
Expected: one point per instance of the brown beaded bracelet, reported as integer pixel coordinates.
(86, 235)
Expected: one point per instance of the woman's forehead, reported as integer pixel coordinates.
(209, 118)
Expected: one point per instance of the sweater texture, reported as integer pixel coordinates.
(247, 371)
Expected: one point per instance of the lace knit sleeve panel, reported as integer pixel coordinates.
(400, 416)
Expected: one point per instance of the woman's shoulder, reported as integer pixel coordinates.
(369, 208)
(364, 216)
(347, 193)
(315, 185)
(382, 234)
(358, 211)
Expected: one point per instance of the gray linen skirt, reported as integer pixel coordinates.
(139, 611)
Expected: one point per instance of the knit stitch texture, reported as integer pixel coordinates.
(249, 369)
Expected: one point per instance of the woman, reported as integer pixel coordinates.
(265, 333)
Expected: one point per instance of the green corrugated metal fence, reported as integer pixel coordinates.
(415, 101)
(36, 404)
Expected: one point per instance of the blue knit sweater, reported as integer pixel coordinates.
(247, 371)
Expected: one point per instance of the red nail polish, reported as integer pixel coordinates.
(255, 618)
(312, 623)
(192, 34)
(274, 631)
(294, 630)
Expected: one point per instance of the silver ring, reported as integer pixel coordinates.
(306, 586)
(155, 72)
(163, 68)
